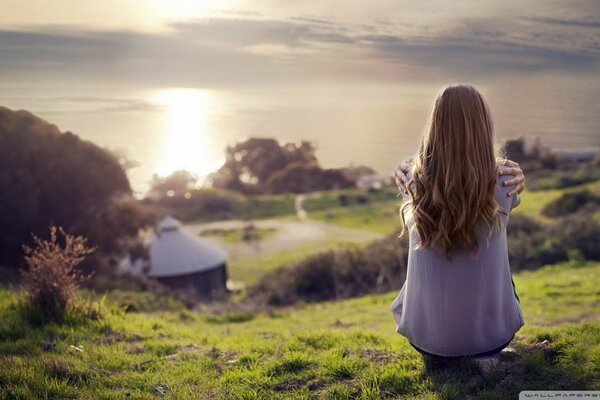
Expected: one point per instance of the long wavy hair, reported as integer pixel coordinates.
(455, 175)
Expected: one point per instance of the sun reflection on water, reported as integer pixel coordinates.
(188, 142)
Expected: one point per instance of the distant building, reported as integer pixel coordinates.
(180, 259)
(373, 181)
(526, 149)
(575, 156)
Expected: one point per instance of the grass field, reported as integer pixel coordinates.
(238, 235)
(382, 216)
(250, 270)
(378, 215)
(334, 350)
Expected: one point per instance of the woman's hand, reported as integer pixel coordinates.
(400, 174)
(514, 169)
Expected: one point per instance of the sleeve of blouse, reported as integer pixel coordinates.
(509, 203)
(516, 200)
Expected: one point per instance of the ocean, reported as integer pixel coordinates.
(165, 129)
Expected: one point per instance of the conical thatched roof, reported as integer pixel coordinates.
(175, 251)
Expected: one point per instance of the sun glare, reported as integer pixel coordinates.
(187, 140)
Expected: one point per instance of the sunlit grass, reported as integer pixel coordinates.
(237, 235)
(532, 203)
(375, 216)
(250, 269)
(380, 217)
(331, 350)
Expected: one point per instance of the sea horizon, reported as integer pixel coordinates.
(165, 129)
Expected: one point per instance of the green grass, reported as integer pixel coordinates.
(333, 350)
(236, 235)
(250, 270)
(542, 180)
(282, 205)
(381, 217)
(532, 203)
(561, 293)
(375, 216)
(267, 206)
(331, 199)
(380, 212)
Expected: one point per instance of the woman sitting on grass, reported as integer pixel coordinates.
(458, 298)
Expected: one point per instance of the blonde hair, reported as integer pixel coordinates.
(455, 174)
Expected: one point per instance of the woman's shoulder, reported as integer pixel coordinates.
(502, 191)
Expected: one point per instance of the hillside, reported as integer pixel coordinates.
(330, 225)
(332, 350)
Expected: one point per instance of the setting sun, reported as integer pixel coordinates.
(187, 140)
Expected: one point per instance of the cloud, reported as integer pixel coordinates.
(586, 23)
(248, 49)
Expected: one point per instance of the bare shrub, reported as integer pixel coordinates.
(51, 278)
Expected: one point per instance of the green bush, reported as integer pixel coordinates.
(381, 266)
(532, 244)
(337, 274)
(552, 179)
(570, 203)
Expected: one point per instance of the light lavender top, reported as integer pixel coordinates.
(463, 307)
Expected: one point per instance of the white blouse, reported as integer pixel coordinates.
(463, 307)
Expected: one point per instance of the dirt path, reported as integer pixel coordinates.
(300, 211)
(290, 235)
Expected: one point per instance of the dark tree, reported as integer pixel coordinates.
(300, 177)
(177, 183)
(53, 178)
(249, 164)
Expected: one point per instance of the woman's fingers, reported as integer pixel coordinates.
(514, 169)
(400, 174)
(511, 171)
(401, 180)
(518, 182)
(405, 165)
(401, 187)
(519, 187)
(507, 162)
(514, 181)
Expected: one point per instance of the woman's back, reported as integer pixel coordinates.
(464, 306)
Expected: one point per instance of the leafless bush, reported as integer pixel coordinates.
(51, 277)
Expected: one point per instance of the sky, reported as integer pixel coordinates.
(217, 44)
(169, 84)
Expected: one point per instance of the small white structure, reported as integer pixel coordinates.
(373, 181)
(180, 259)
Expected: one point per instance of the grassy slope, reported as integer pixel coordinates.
(382, 216)
(332, 350)
(250, 270)
(367, 217)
